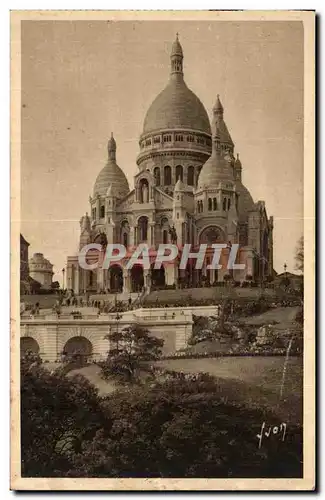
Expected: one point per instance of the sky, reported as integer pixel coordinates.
(83, 80)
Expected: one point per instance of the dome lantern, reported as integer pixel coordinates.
(111, 148)
(176, 59)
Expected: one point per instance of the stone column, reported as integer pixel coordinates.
(126, 281)
(77, 271)
(147, 279)
(132, 236)
(171, 274)
(152, 233)
(100, 279)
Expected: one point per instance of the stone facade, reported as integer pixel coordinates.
(188, 188)
(41, 270)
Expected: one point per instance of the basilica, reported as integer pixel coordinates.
(188, 189)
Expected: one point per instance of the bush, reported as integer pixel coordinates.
(182, 427)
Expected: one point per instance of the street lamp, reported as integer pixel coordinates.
(63, 271)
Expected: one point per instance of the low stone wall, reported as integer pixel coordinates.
(169, 312)
(52, 333)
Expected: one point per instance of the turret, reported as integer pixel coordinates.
(238, 169)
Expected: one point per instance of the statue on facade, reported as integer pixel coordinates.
(173, 234)
(145, 193)
(103, 239)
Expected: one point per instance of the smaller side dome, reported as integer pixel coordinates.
(217, 168)
(111, 175)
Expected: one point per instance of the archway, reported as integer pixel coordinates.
(137, 278)
(167, 175)
(125, 231)
(211, 234)
(28, 345)
(142, 229)
(164, 224)
(158, 279)
(156, 174)
(116, 279)
(80, 348)
(190, 176)
(179, 173)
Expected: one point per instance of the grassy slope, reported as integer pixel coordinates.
(255, 380)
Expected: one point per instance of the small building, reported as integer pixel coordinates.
(41, 270)
(291, 280)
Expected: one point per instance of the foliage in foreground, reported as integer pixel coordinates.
(176, 428)
(131, 350)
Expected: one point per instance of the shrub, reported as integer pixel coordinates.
(182, 427)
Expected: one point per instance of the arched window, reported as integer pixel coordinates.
(165, 236)
(102, 212)
(198, 206)
(228, 203)
(190, 176)
(143, 229)
(209, 204)
(167, 175)
(224, 204)
(215, 205)
(125, 229)
(93, 213)
(210, 235)
(156, 174)
(179, 173)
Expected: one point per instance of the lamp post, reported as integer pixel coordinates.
(63, 272)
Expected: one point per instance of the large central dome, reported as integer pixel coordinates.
(176, 107)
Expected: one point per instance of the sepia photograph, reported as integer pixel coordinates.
(162, 250)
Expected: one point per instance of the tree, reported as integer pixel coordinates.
(299, 257)
(55, 285)
(131, 350)
(57, 415)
